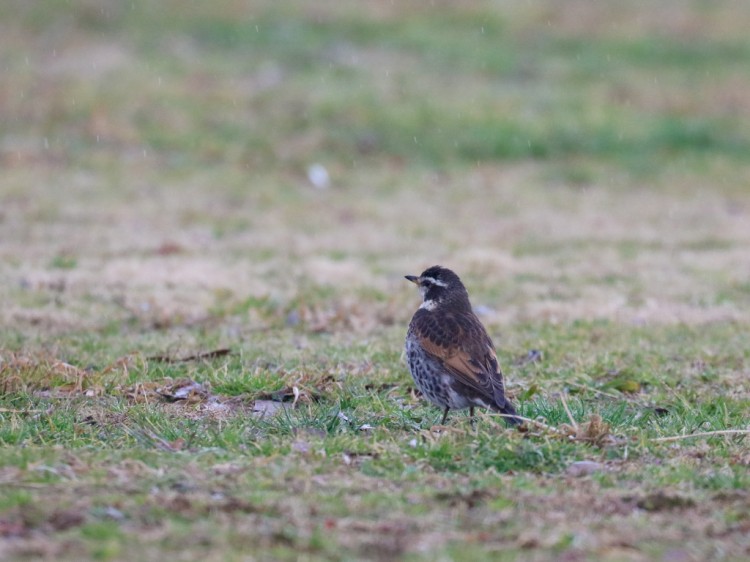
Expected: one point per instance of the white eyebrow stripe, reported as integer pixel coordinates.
(435, 281)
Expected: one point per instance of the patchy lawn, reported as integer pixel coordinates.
(206, 214)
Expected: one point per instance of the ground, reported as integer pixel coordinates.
(201, 331)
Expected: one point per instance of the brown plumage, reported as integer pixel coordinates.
(451, 357)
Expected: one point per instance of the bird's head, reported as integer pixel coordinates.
(438, 284)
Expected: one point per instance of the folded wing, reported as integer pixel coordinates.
(461, 343)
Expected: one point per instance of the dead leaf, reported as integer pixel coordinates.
(232, 504)
(596, 431)
(470, 499)
(177, 445)
(661, 501)
(228, 468)
(64, 519)
(292, 394)
(169, 248)
(9, 528)
(143, 392)
(529, 392)
(185, 389)
(384, 387)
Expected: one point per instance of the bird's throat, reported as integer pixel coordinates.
(428, 305)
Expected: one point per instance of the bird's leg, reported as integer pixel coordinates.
(445, 416)
(471, 417)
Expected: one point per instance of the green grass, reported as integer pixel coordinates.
(550, 97)
(222, 482)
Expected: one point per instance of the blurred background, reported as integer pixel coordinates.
(170, 164)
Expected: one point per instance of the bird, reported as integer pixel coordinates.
(450, 355)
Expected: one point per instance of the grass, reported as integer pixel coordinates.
(358, 449)
(582, 167)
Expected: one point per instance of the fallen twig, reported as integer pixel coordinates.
(595, 390)
(529, 420)
(198, 356)
(567, 411)
(702, 434)
(16, 411)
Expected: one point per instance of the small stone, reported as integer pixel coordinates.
(113, 513)
(318, 176)
(267, 407)
(300, 446)
(583, 468)
(293, 318)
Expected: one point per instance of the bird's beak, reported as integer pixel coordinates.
(413, 278)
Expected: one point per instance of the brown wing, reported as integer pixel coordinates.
(461, 343)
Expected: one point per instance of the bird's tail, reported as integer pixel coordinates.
(502, 404)
(511, 416)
